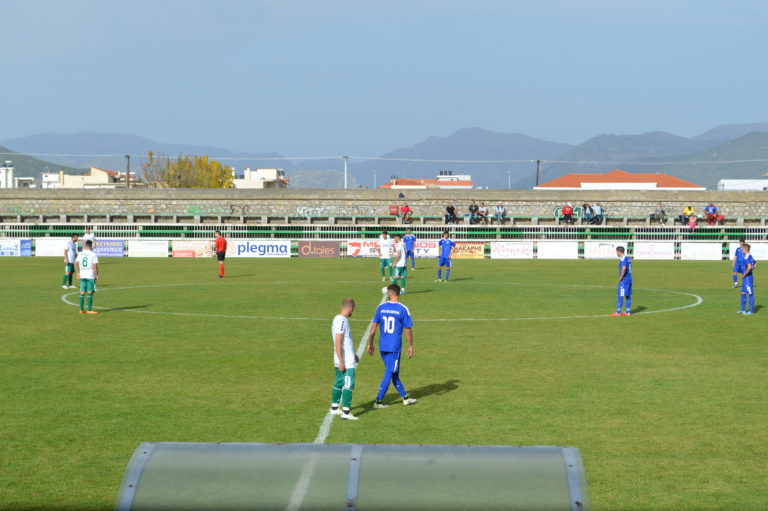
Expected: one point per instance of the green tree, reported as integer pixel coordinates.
(188, 171)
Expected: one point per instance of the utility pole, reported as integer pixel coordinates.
(509, 180)
(538, 170)
(374, 179)
(346, 168)
(128, 170)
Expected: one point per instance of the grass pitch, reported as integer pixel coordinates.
(667, 408)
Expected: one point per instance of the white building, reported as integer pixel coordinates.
(262, 178)
(6, 174)
(95, 178)
(759, 185)
(446, 180)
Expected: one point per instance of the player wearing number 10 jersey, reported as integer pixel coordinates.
(392, 317)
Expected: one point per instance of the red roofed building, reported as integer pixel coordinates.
(445, 181)
(618, 180)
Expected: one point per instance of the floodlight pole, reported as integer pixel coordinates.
(509, 180)
(128, 170)
(538, 170)
(374, 178)
(346, 168)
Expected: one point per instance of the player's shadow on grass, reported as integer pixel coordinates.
(758, 307)
(421, 291)
(639, 308)
(239, 276)
(419, 393)
(128, 307)
(459, 279)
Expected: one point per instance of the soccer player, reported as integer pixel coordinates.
(89, 236)
(738, 262)
(221, 251)
(70, 254)
(385, 254)
(392, 317)
(345, 360)
(444, 246)
(400, 263)
(747, 282)
(410, 244)
(625, 283)
(87, 265)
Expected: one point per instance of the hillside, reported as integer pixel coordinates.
(730, 160)
(28, 166)
(727, 132)
(107, 150)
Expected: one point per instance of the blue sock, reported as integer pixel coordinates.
(752, 303)
(743, 301)
(735, 279)
(439, 274)
(629, 303)
(447, 273)
(618, 304)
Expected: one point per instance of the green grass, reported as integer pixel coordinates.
(668, 409)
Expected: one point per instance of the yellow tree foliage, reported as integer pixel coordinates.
(186, 172)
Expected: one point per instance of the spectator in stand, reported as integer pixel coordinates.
(450, 214)
(599, 213)
(567, 213)
(688, 212)
(692, 222)
(711, 212)
(482, 213)
(501, 212)
(659, 215)
(473, 213)
(588, 212)
(405, 214)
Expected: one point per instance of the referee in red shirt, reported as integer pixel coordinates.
(221, 252)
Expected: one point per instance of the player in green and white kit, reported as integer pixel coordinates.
(385, 254)
(87, 265)
(399, 261)
(70, 254)
(89, 236)
(345, 359)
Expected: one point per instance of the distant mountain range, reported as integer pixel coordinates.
(507, 159)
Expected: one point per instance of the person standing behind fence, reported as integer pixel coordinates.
(473, 213)
(599, 213)
(89, 236)
(220, 246)
(450, 214)
(70, 254)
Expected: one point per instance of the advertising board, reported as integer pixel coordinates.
(110, 248)
(259, 248)
(653, 250)
(362, 248)
(147, 248)
(50, 247)
(758, 250)
(512, 250)
(701, 251)
(602, 249)
(191, 248)
(557, 250)
(319, 249)
(468, 250)
(15, 248)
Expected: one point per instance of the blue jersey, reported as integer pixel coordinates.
(626, 262)
(392, 318)
(739, 255)
(747, 261)
(445, 246)
(710, 210)
(410, 242)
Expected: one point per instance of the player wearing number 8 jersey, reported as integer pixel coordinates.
(392, 317)
(87, 266)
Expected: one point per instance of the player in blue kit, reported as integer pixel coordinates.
(392, 317)
(747, 282)
(444, 247)
(738, 262)
(625, 283)
(410, 244)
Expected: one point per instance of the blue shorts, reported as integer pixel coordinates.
(391, 361)
(409, 253)
(739, 267)
(444, 261)
(625, 288)
(747, 285)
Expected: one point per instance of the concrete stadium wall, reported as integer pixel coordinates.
(361, 202)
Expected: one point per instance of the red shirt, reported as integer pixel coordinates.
(567, 210)
(405, 209)
(221, 244)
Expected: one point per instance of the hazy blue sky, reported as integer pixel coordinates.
(361, 77)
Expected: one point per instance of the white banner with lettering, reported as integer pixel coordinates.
(147, 248)
(701, 251)
(757, 250)
(653, 250)
(557, 250)
(511, 250)
(602, 249)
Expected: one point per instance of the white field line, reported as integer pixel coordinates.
(698, 301)
(300, 490)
